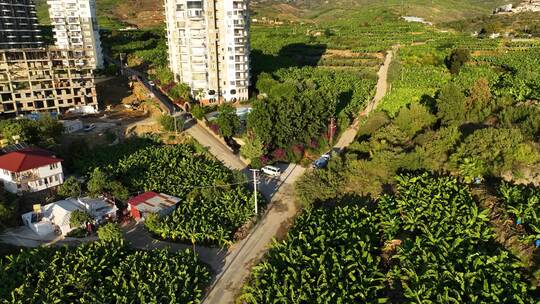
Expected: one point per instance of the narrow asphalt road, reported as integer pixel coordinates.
(237, 268)
(217, 148)
(245, 254)
(233, 267)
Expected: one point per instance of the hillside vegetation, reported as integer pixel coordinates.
(149, 13)
(322, 10)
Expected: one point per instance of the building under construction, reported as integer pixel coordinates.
(45, 79)
(37, 78)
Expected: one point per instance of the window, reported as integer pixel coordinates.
(56, 178)
(41, 182)
(53, 166)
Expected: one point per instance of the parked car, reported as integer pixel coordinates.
(322, 162)
(271, 170)
(152, 83)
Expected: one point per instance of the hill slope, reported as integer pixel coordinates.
(149, 13)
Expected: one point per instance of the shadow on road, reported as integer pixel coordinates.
(140, 238)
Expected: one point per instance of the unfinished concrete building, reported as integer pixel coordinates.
(19, 25)
(75, 27)
(208, 43)
(42, 79)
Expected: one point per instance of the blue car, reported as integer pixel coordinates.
(322, 162)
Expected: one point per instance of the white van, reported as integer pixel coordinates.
(271, 170)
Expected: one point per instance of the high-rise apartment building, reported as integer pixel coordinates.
(208, 43)
(19, 24)
(75, 27)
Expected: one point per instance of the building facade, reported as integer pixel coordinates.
(19, 25)
(75, 27)
(208, 42)
(30, 170)
(45, 80)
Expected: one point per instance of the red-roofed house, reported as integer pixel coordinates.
(151, 202)
(30, 169)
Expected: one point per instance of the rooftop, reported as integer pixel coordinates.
(26, 159)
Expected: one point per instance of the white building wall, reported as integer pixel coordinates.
(42, 178)
(75, 27)
(49, 176)
(208, 43)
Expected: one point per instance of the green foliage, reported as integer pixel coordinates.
(70, 188)
(329, 256)
(253, 148)
(110, 232)
(79, 218)
(451, 105)
(228, 121)
(79, 232)
(429, 242)
(207, 216)
(321, 185)
(44, 132)
(98, 182)
(523, 203)
(198, 112)
(414, 118)
(102, 272)
(457, 59)
(85, 160)
(9, 210)
(164, 75)
(167, 122)
(180, 91)
(184, 172)
(448, 252)
(496, 151)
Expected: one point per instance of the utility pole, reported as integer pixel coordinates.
(255, 182)
(175, 124)
(332, 129)
(121, 65)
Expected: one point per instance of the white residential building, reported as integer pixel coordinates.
(75, 27)
(208, 43)
(56, 216)
(30, 170)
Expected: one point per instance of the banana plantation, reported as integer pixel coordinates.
(429, 242)
(522, 203)
(102, 272)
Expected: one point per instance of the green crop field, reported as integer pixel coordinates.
(101, 272)
(211, 210)
(429, 242)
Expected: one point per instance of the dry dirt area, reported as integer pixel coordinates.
(350, 54)
(149, 13)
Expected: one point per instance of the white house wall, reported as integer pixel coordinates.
(208, 46)
(75, 27)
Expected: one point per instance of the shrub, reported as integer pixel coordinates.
(110, 232)
(70, 188)
(78, 218)
(198, 112)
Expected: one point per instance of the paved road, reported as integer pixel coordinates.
(249, 251)
(228, 283)
(217, 148)
(234, 267)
